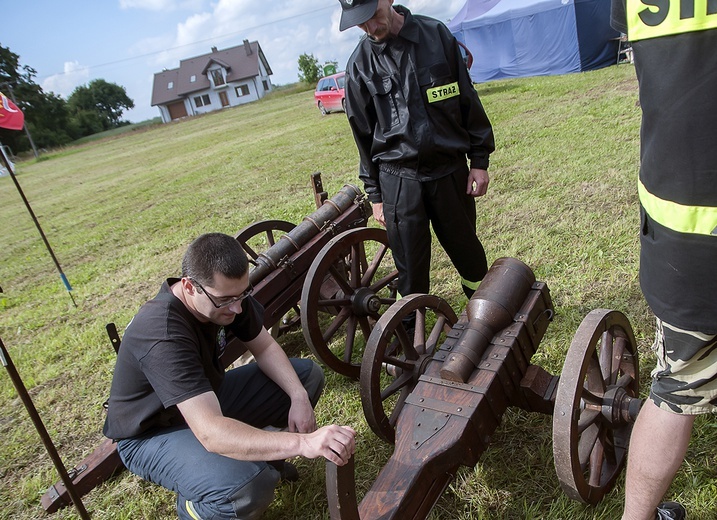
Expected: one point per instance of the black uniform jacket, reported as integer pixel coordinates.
(410, 101)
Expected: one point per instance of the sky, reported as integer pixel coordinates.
(71, 42)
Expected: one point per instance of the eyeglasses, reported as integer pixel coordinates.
(226, 302)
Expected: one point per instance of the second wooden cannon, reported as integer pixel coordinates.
(330, 273)
(335, 274)
(439, 392)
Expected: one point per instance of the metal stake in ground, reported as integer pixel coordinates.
(37, 225)
(40, 427)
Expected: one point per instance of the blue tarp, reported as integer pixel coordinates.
(516, 38)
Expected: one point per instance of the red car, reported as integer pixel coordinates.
(329, 93)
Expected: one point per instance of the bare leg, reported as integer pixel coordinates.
(657, 448)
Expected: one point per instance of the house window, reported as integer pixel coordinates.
(193, 78)
(217, 77)
(266, 84)
(242, 90)
(170, 85)
(202, 100)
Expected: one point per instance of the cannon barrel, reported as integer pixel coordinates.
(443, 423)
(294, 240)
(490, 309)
(448, 418)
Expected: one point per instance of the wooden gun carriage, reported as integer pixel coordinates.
(331, 273)
(438, 392)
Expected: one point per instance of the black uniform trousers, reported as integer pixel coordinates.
(409, 206)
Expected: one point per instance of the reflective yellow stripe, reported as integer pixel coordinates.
(191, 511)
(471, 285)
(701, 220)
(653, 18)
(443, 92)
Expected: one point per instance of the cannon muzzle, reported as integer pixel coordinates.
(294, 240)
(490, 309)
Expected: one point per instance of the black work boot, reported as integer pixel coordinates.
(286, 469)
(670, 511)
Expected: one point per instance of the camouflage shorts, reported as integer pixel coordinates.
(685, 378)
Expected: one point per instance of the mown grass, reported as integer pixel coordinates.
(120, 211)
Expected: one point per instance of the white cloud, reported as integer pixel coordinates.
(63, 84)
(161, 5)
(443, 10)
(194, 29)
(150, 5)
(235, 10)
(285, 29)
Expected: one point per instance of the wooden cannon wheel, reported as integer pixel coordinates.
(350, 282)
(599, 379)
(260, 236)
(255, 239)
(468, 57)
(395, 358)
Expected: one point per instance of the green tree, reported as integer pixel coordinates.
(46, 116)
(309, 69)
(98, 106)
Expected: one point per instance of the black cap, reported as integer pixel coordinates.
(356, 12)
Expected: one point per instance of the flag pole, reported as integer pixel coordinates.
(40, 427)
(27, 130)
(37, 224)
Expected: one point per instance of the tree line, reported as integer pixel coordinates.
(310, 71)
(51, 120)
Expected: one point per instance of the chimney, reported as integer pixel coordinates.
(214, 49)
(247, 47)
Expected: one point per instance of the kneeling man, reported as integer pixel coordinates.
(182, 422)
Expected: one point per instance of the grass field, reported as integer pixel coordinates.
(119, 213)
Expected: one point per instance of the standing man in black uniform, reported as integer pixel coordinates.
(417, 121)
(674, 44)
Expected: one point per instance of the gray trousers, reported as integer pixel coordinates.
(211, 486)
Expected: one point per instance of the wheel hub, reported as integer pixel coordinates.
(619, 407)
(365, 302)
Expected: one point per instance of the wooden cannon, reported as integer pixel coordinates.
(331, 271)
(439, 392)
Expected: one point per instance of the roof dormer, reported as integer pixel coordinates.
(217, 72)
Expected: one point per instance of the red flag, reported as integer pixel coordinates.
(11, 117)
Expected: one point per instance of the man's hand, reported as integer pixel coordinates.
(477, 183)
(272, 360)
(334, 443)
(301, 416)
(377, 208)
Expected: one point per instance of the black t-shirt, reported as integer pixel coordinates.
(168, 356)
